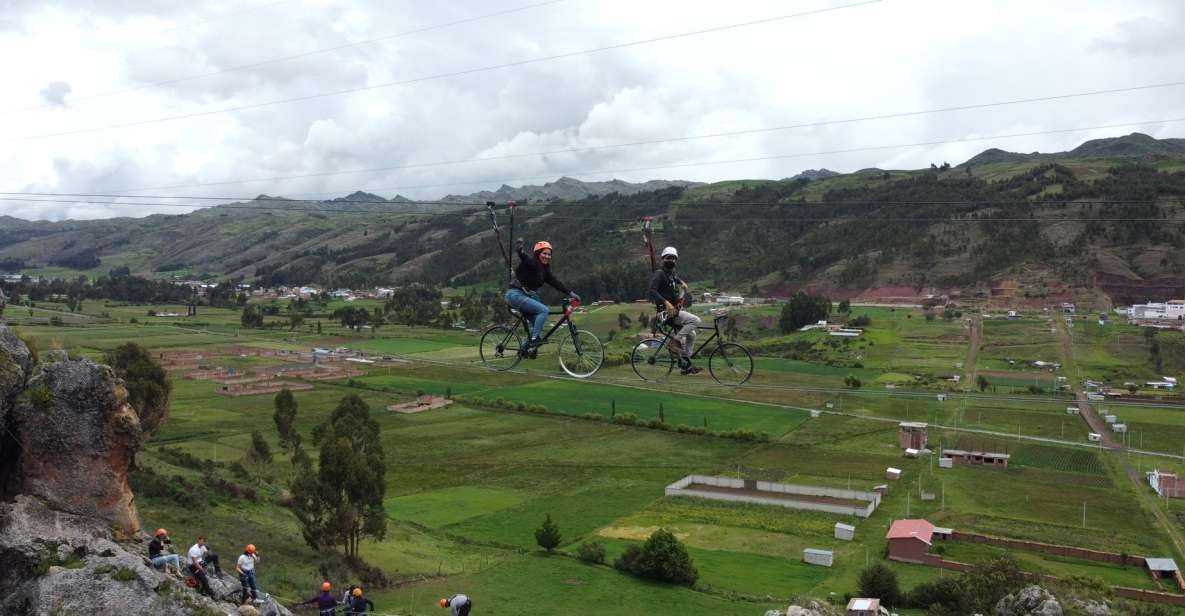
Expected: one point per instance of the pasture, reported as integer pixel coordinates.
(467, 485)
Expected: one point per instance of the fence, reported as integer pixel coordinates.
(1049, 548)
(780, 494)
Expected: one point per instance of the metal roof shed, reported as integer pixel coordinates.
(1161, 565)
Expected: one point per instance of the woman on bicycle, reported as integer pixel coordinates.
(533, 271)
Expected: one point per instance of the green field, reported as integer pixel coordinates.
(467, 485)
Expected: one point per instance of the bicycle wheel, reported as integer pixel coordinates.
(499, 347)
(651, 360)
(581, 354)
(730, 364)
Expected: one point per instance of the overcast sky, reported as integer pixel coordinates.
(880, 58)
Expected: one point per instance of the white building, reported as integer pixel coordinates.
(730, 300)
(1172, 310)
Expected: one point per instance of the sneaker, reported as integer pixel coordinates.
(686, 367)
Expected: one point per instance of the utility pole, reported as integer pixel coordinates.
(1083, 514)
(943, 506)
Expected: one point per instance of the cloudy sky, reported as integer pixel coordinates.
(93, 91)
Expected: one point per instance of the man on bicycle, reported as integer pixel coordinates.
(533, 271)
(666, 290)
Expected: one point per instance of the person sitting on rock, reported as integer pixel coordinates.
(356, 604)
(326, 603)
(157, 555)
(197, 567)
(209, 558)
(245, 567)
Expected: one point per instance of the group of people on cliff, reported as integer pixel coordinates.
(199, 557)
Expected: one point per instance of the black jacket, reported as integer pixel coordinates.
(357, 605)
(531, 275)
(665, 286)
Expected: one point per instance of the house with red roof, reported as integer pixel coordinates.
(910, 540)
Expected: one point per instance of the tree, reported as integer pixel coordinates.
(623, 321)
(987, 584)
(318, 326)
(342, 501)
(252, 316)
(664, 558)
(804, 309)
(880, 582)
(852, 381)
(982, 383)
(149, 388)
(548, 535)
(260, 452)
(845, 307)
(285, 418)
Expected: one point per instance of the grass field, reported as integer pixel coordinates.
(467, 485)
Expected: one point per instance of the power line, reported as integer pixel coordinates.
(733, 219)
(736, 133)
(438, 76)
(11, 196)
(708, 163)
(306, 54)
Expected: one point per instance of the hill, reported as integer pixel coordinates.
(1133, 145)
(869, 229)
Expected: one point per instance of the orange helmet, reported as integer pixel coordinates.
(325, 586)
(444, 603)
(541, 244)
(357, 592)
(250, 548)
(160, 532)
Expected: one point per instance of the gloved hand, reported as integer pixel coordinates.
(573, 295)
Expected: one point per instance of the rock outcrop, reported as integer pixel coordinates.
(69, 540)
(1029, 601)
(78, 436)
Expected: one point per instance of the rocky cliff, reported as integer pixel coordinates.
(69, 532)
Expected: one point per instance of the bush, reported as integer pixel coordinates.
(664, 558)
(124, 574)
(860, 321)
(591, 552)
(626, 419)
(879, 581)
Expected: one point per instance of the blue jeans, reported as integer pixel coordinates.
(247, 580)
(165, 559)
(529, 304)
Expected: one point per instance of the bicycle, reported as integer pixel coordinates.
(580, 352)
(729, 363)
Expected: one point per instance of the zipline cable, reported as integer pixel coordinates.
(439, 76)
(685, 138)
(306, 54)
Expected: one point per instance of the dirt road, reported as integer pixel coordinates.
(976, 338)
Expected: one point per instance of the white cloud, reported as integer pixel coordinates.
(895, 56)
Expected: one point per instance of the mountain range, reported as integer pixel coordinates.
(943, 226)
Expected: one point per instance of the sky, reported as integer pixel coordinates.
(424, 99)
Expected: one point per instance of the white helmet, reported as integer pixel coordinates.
(670, 251)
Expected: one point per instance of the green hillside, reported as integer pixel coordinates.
(961, 226)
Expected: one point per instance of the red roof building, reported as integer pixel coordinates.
(910, 540)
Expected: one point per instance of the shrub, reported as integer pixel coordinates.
(860, 321)
(626, 419)
(593, 417)
(664, 558)
(877, 580)
(591, 552)
(124, 574)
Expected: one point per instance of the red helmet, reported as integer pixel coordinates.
(444, 603)
(541, 244)
(250, 548)
(325, 586)
(160, 532)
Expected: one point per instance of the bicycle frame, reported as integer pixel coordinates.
(669, 332)
(521, 318)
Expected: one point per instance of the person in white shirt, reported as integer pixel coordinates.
(245, 567)
(197, 568)
(460, 604)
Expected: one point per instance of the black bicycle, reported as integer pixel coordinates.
(728, 362)
(581, 353)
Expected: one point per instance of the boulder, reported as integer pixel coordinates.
(78, 436)
(1029, 601)
(60, 563)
